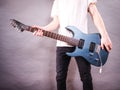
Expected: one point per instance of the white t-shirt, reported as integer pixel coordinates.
(71, 12)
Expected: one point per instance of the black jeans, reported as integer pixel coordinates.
(62, 63)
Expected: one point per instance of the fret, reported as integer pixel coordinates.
(51, 34)
(47, 33)
(30, 29)
(57, 36)
(64, 38)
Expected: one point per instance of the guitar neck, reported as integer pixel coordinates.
(69, 40)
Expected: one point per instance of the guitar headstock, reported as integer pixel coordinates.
(20, 26)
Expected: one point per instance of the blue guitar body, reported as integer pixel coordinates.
(90, 47)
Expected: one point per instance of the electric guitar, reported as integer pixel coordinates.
(86, 45)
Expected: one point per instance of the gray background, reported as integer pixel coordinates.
(27, 62)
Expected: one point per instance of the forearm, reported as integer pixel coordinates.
(98, 21)
(53, 25)
(100, 25)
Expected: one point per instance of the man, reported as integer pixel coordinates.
(74, 12)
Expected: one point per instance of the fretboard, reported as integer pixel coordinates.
(69, 40)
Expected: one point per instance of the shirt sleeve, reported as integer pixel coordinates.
(54, 10)
(91, 1)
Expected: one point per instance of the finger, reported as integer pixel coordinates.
(39, 33)
(102, 46)
(110, 46)
(34, 33)
(108, 49)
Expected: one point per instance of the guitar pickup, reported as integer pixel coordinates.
(81, 43)
(92, 47)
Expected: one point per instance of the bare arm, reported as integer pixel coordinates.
(98, 21)
(54, 24)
